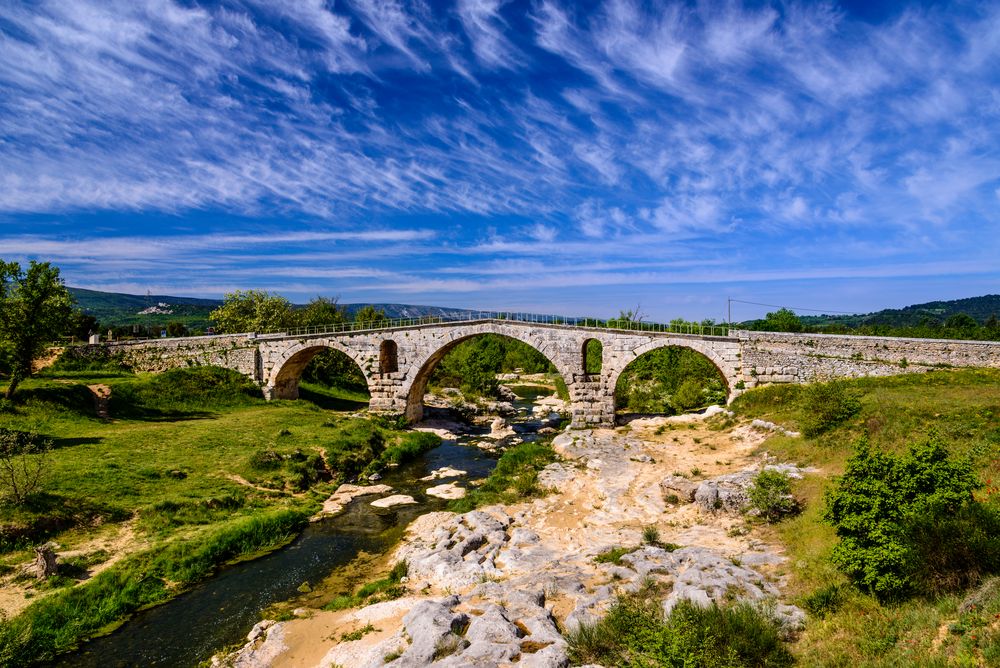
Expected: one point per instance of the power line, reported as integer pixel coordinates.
(795, 308)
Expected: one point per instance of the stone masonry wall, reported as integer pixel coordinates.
(771, 357)
(237, 352)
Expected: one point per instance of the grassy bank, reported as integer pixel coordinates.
(848, 626)
(59, 622)
(514, 479)
(192, 470)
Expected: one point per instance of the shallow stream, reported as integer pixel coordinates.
(220, 611)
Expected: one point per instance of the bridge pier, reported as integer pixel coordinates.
(590, 405)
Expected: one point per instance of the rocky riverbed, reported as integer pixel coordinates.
(500, 585)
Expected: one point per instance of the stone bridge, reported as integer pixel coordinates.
(397, 361)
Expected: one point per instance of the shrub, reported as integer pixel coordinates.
(824, 600)
(194, 390)
(651, 535)
(265, 459)
(23, 463)
(687, 396)
(771, 495)
(908, 524)
(825, 405)
(636, 633)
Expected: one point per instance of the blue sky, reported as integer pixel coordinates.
(558, 157)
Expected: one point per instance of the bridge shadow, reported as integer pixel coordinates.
(330, 398)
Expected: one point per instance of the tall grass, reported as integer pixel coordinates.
(636, 634)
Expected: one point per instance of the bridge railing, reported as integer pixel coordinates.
(533, 318)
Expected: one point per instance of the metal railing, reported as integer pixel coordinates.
(510, 316)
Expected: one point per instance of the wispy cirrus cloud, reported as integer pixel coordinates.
(663, 131)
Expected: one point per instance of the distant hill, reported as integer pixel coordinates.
(980, 308)
(115, 309)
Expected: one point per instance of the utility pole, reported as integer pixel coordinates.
(729, 311)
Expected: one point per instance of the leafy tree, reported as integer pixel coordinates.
(253, 311)
(35, 308)
(322, 311)
(782, 320)
(369, 316)
(82, 325)
(876, 504)
(962, 323)
(177, 329)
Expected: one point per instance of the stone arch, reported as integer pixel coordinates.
(388, 356)
(726, 371)
(416, 384)
(283, 380)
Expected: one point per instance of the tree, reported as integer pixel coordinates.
(963, 323)
(253, 311)
(322, 311)
(782, 320)
(35, 308)
(369, 316)
(177, 328)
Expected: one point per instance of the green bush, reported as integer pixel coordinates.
(687, 396)
(667, 380)
(909, 524)
(771, 495)
(825, 405)
(635, 633)
(265, 459)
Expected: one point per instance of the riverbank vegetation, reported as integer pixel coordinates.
(513, 479)
(897, 542)
(190, 469)
(472, 365)
(669, 381)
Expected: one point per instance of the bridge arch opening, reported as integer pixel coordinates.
(669, 380)
(593, 357)
(324, 375)
(388, 357)
(472, 364)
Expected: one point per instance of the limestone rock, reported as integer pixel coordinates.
(344, 495)
(500, 428)
(394, 500)
(447, 491)
(444, 472)
(681, 488)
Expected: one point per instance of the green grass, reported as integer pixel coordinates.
(172, 458)
(515, 478)
(385, 589)
(847, 627)
(614, 555)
